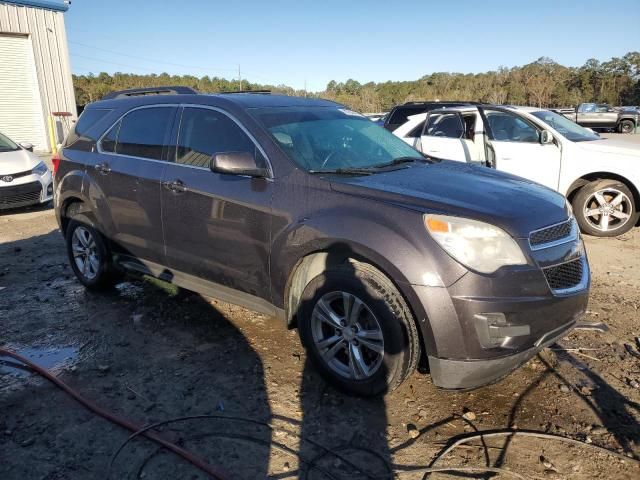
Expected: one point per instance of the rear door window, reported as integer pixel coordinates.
(448, 125)
(141, 133)
(205, 132)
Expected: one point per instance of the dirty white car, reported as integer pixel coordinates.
(24, 178)
(600, 177)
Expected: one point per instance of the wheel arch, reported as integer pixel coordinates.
(320, 259)
(595, 176)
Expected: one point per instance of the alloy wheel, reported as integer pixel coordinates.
(608, 209)
(347, 335)
(85, 253)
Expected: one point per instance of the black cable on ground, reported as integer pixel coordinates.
(191, 458)
(398, 470)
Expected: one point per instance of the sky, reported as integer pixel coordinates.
(300, 43)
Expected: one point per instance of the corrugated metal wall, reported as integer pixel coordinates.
(51, 53)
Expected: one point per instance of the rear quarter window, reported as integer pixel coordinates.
(83, 134)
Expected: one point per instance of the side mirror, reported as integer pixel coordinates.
(26, 146)
(546, 137)
(238, 163)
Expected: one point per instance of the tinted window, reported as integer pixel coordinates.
(417, 131)
(108, 143)
(511, 128)
(83, 135)
(88, 119)
(143, 132)
(401, 114)
(447, 125)
(204, 132)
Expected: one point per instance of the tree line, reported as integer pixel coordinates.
(543, 83)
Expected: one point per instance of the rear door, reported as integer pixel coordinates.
(125, 181)
(216, 226)
(587, 115)
(515, 142)
(442, 136)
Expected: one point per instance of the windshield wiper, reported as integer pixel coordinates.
(346, 171)
(407, 159)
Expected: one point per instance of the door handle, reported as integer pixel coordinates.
(176, 186)
(103, 168)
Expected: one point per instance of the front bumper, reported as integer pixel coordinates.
(25, 191)
(468, 374)
(482, 327)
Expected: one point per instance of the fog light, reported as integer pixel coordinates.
(50, 189)
(494, 331)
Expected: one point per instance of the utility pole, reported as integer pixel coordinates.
(239, 78)
(305, 87)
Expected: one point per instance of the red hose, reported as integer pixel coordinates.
(198, 462)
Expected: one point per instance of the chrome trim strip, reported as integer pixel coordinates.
(573, 235)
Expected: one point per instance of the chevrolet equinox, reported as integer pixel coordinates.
(306, 211)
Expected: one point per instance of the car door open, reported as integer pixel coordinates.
(442, 136)
(518, 149)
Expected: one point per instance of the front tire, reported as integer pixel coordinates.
(605, 208)
(88, 254)
(626, 126)
(358, 330)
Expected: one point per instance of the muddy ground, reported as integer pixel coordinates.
(150, 353)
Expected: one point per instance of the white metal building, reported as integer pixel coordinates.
(35, 73)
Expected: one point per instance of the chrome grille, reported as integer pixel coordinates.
(566, 275)
(554, 233)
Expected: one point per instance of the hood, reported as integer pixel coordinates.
(514, 204)
(611, 146)
(17, 161)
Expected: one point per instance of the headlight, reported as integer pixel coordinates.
(40, 169)
(477, 245)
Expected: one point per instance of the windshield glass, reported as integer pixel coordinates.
(570, 130)
(7, 145)
(330, 138)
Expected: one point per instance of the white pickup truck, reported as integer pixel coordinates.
(600, 177)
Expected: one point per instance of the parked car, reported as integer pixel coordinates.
(399, 114)
(600, 115)
(24, 179)
(302, 209)
(601, 177)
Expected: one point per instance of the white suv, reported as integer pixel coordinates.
(600, 177)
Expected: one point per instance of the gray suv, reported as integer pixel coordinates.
(307, 211)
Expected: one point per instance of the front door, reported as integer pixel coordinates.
(216, 226)
(125, 178)
(516, 145)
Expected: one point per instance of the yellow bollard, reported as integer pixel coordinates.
(52, 136)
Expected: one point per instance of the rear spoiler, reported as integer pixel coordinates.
(137, 92)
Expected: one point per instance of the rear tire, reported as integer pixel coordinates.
(372, 348)
(627, 126)
(89, 255)
(605, 208)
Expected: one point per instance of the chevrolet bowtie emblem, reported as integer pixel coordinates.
(7, 178)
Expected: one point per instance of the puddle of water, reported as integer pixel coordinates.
(49, 357)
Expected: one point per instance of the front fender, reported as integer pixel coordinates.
(391, 238)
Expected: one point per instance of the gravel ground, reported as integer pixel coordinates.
(151, 353)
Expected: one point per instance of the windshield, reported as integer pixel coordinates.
(330, 138)
(7, 145)
(570, 130)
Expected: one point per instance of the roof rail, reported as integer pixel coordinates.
(264, 92)
(137, 92)
(418, 102)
